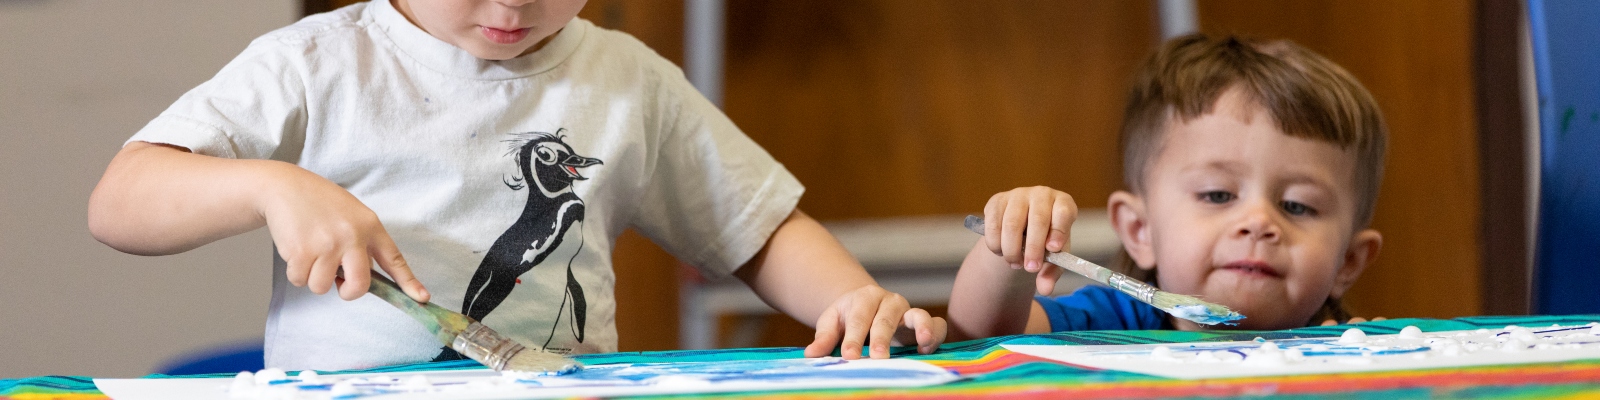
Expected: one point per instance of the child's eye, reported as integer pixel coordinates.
(1216, 197)
(1296, 208)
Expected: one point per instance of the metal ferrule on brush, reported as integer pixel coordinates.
(480, 343)
(1137, 289)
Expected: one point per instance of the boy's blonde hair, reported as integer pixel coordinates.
(1306, 95)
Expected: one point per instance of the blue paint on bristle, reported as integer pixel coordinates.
(1202, 314)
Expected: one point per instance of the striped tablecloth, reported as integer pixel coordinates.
(998, 373)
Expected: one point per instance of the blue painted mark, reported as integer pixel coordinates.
(1204, 315)
(1574, 328)
(726, 371)
(1307, 347)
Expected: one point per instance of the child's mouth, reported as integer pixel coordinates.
(503, 36)
(1256, 268)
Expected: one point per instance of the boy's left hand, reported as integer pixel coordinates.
(879, 315)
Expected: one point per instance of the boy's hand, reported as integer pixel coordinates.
(1025, 223)
(878, 314)
(320, 228)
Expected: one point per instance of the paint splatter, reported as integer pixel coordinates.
(275, 384)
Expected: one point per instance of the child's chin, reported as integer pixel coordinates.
(493, 52)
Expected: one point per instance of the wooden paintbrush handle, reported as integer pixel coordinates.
(444, 324)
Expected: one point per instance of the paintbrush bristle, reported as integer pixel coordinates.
(542, 362)
(1194, 309)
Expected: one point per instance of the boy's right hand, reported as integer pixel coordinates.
(319, 228)
(1025, 223)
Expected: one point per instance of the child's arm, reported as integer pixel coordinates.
(161, 199)
(990, 298)
(803, 271)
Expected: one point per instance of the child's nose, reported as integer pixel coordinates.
(1258, 223)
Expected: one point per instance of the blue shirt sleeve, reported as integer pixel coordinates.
(1101, 308)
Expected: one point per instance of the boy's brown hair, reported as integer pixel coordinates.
(1307, 96)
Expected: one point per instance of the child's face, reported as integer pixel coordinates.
(1238, 213)
(491, 29)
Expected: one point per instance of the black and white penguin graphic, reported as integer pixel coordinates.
(549, 167)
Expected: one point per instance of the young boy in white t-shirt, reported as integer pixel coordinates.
(503, 145)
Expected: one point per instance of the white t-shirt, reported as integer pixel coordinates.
(504, 183)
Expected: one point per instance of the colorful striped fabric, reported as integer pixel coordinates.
(998, 373)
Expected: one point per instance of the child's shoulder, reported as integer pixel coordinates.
(624, 49)
(348, 19)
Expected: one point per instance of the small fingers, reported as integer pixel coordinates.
(1037, 231)
(297, 270)
(890, 310)
(992, 212)
(357, 267)
(1329, 322)
(1048, 276)
(929, 331)
(1356, 320)
(389, 259)
(1013, 224)
(858, 321)
(827, 334)
(1063, 213)
(322, 272)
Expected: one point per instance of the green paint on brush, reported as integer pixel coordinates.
(444, 324)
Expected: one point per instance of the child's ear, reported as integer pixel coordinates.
(1128, 219)
(1362, 251)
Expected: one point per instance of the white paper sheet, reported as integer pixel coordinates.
(594, 381)
(1354, 353)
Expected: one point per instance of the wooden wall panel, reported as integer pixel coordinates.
(1416, 57)
(906, 107)
(900, 107)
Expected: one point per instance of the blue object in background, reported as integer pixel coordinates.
(1566, 51)
(221, 359)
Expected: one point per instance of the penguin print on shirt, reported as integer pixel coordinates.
(550, 224)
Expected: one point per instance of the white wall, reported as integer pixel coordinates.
(77, 77)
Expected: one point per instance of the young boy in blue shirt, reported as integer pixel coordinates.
(1251, 171)
(503, 145)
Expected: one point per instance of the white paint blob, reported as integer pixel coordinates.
(1353, 336)
(343, 389)
(1294, 355)
(270, 375)
(1513, 346)
(1162, 353)
(1522, 334)
(1266, 356)
(243, 386)
(1410, 332)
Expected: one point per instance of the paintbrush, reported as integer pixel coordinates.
(471, 338)
(1178, 305)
